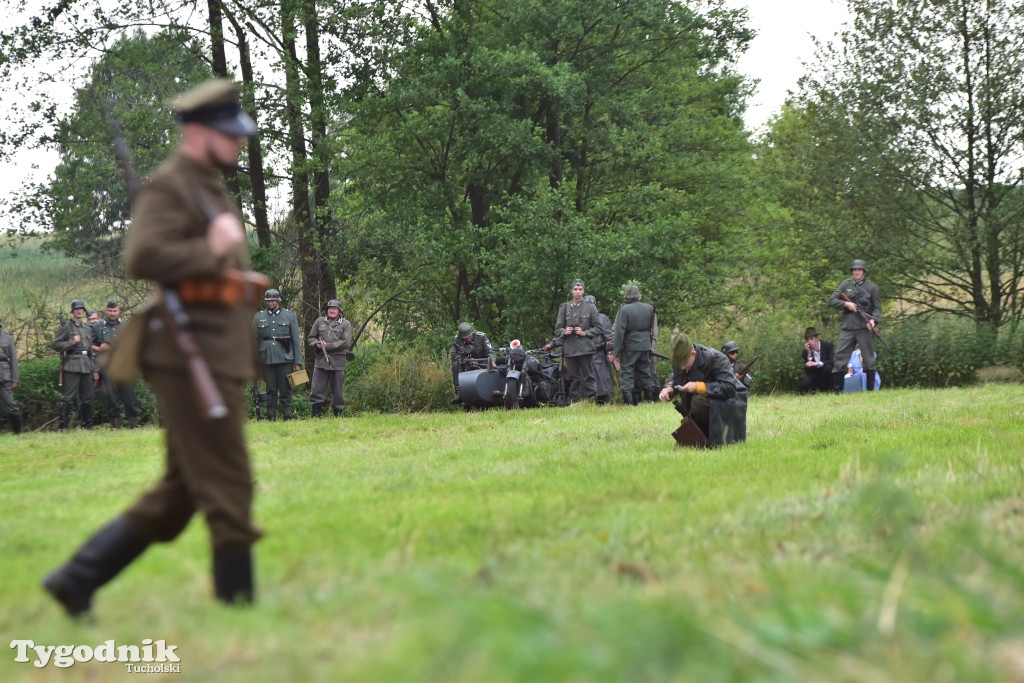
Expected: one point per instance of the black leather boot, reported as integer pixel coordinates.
(837, 382)
(869, 380)
(318, 409)
(62, 417)
(133, 422)
(651, 395)
(115, 421)
(627, 398)
(15, 423)
(232, 574)
(85, 416)
(271, 414)
(102, 557)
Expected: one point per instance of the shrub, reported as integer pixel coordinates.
(38, 394)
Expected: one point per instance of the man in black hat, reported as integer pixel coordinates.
(119, 400)
(78, 375)
(186, 234)
(579, 326)
(818, 359)
(468, 346)
(863, 297)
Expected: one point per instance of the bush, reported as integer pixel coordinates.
(934, 353)
(38, 394)
(398, 379)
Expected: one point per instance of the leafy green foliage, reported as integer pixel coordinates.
(87, 205)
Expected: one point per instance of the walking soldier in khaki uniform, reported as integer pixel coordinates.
(186, 236)
(78, 372)
(277, 333)
(116, 397)
(331, 337)
(9, 380)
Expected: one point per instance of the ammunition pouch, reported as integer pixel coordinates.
(233, 288)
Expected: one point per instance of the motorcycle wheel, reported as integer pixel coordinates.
(511, 394)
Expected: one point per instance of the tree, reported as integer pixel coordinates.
(87, 204)
(922, 110)
(516, 146)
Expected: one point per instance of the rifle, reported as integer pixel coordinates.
(258, 399)
(746, 368)
(327, 356)
(866, 318)
(174, 312)
(660, 355)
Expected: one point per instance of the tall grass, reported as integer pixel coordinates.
(866, 537)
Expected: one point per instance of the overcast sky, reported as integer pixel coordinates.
(783, 44)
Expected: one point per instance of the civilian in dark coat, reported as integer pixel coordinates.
(818, 358)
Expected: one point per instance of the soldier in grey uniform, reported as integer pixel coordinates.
(732, 351)
(186, 230)
(277, 333)
(634, 325)
(331, 336)
(579, 326)
(78, 371)
(119, 400)
(468, 345)
(602, 366)
(865, 297)
(9, 380)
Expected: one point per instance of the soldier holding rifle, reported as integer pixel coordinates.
(78, 373)
(861, 304)
(277, 332)
(186, 235)
(331, 337)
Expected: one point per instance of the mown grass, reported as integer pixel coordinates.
(867, 537)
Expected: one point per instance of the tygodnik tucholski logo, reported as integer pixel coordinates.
(163, 660)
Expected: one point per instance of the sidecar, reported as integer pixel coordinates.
(481, 388)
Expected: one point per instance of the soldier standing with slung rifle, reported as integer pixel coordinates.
(77, 370)
(9, 380)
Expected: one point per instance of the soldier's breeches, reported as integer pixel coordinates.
(77, 385)
(8, 408)
(328, 380)
(634, 370)
(848, 341)
(118, 398)
(581, 368)
(276, 377)
(207, 467)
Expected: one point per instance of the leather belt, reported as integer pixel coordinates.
(233, 288)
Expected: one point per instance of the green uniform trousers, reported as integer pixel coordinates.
(207, 467)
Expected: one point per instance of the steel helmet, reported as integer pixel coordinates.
(272, 295)
(730, 347)
(334, 303)
(465, 329)
(589, 298)
(859, 263)
(77, 303)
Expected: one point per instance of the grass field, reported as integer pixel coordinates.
(867, 537)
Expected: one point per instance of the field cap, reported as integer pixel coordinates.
(215, 104)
